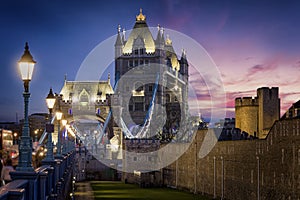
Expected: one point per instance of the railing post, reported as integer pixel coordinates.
(16, 194)
(42, 185)
(49, 184)
(56, 164)
(58, 188)
(31, 176)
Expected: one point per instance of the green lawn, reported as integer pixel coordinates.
(118, 190)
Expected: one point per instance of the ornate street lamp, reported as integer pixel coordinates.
(50, 100)
(26, 66)
(58, 118)
(64, 123)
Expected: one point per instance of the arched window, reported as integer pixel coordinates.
(84, 98)
(138, 86)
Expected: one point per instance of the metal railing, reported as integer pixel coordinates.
(53, 180)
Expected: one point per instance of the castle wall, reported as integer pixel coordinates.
(245, 169)
(246, 113)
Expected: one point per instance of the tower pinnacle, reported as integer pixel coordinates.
(141, 17)
(119, 28)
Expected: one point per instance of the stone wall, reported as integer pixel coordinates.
(246, 169)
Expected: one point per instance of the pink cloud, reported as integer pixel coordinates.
(260, 69)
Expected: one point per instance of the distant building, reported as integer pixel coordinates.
(228, 123)
(293, 111)
(37, 124)
(225, 130)
(256, 115)
(13, 126)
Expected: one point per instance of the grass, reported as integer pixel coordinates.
(117, 190)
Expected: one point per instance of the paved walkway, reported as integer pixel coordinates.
(84, 191)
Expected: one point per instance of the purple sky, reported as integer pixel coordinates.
(253, 43)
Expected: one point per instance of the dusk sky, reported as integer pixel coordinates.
(253, 43)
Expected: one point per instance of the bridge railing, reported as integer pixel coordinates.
(50, 181)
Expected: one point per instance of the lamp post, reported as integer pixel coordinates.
(58, 118)
(64, 123)
(35, 135)
(50, 100)
(15, 138)
(26, 66)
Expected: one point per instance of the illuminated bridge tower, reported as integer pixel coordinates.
(139, 61)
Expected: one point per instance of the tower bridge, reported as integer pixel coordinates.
(150, 81)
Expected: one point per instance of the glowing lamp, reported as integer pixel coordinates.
(26, 66)
(58, 115)
(64, 122)
(50, 100)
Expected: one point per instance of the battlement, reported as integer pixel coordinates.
(266, 92)
(102, 102)
(65, 102)
(246, 101)
(144, 55)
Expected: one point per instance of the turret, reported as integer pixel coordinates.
(160, 40)
(123, 36)
(119, 44)
(184, 65)
(108, 78)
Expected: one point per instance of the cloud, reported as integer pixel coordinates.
(288, 94)
(297, 65)
(260, 68)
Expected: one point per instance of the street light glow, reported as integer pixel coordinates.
(58, 115)
(26, 64)
(64, 122)
(50, 100)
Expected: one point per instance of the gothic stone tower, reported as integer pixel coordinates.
(85, 99)
(138, 61)
(257, 115)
